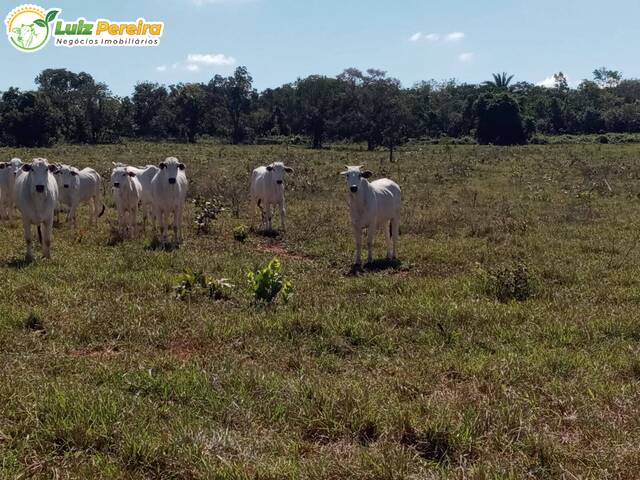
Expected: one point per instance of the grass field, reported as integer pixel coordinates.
(505, 345)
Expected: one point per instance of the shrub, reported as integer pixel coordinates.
(206, 211)
(267, 282)
(192, 283)
(509, 282)
(240, 233)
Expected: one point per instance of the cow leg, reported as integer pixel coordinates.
(47, 228)
(122, 225)
(163, 227)
(282, 216)
(178, 224)
(72, 215)
(387, 233)
(132, 221)
(357, 234)
(395, 234)
(145, 212)
(27, 238)
(269, 216)
(93, 206)
(371, 233)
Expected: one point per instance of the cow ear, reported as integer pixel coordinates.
(269, 168)
(162, 165)
(366, 174)
(26, 168)
(2, 165)
(288, 169)
(131, 174)
(181, 166)
(53, 168)
(344, 173)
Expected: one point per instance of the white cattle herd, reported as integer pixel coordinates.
(39, 189)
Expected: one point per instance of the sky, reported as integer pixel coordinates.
(282, 40)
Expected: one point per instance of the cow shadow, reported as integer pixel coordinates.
(374, 266)
(17, 263)
(266, 233)
(156, 245)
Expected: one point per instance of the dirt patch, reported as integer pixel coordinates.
(280, 251)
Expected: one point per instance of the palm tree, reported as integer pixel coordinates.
(500, 80)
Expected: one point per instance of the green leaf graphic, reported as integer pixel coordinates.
(40, 23)
(51, 15)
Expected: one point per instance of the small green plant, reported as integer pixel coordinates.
(240, 233)
(192, 283)
(206, 210)
(267, 282)
(509, 282)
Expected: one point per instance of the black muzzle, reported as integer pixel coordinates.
(40, 188)
(172, 181)
(353, 189)
(116, 185)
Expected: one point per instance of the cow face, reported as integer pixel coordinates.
(278, 170)
(69, 177)
(354, 176)
(120, 176)
(170, 168)
(39, 171)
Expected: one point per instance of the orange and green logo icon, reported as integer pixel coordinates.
(29, 27)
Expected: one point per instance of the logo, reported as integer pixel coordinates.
(29, 28)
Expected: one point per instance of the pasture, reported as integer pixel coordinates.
(505, 344)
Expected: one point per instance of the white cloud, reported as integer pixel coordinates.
(550, 82)
(217, 59)
(465, 57)
(429, 37)
(198, 61)
(454, 36)
(436, 37)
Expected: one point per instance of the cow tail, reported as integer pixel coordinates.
(103, 209)
(39, 234)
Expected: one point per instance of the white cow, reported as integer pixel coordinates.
(8, 172)
(267, 189)
(145, 176)
(373, 205)
(80, 186)
(169, 186)
(127, 192)
(36, 195)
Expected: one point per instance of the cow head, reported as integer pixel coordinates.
(69, 177)
(278, 170)
(121, 176)
(39, 171)
(170, 168)
(354, 176)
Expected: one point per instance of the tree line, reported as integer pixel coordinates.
(369, 107)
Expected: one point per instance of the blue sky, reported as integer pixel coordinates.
(281, 40)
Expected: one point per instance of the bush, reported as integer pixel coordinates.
(206, 212)
(267, 282)
(240, 233)
(192, 283)
(509, 282)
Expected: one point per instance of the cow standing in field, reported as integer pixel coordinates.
(144, 175)
(80, 186)
(267, 189)
(8, 172)
(127, 192)
(169, 187)
(373, 205)
(36, 195)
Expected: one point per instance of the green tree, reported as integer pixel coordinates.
(606, 78)
(499, 120)
(500, 81)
